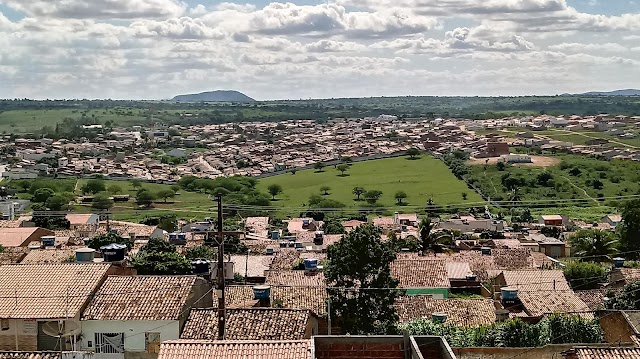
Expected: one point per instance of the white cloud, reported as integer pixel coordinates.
(104, 9)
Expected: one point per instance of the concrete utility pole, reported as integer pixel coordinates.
(220, 235)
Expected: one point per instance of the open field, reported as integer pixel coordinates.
(421, 179)
(537, 161)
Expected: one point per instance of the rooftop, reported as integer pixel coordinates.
(140, 298)
(462, 312)
(534, 280)
(45, 256)
(602, 353)
(420, 273)
(15, 237)
(538, 303)
(229, 349)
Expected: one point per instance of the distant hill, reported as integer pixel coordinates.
(627, 92)
(214, 96)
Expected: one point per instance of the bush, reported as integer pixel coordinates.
(584, 275)
(109, 238)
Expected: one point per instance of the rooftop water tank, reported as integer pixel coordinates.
(509, 293)
(502, 315)
(201, 266)
(182, 236)
(86, 241)
(261, 292)
(486, 251)
(48, 241)
(275, 235)
(299, 245)
(618, 262)
(173, 236)
(311, 264)
(113, 252)
(269, 251)
(85, 254)
(284, 244)
(438, 317)
(471, 277)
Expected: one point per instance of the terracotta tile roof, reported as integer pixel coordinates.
(10, 224)
(295, 278)
(48, 291)
(248, 324)
(78, 218)
(285, 259)
(384, 222)
(594, 299)
(548, 302)
(45, 256)
(140, 298)
(602, 353)
(227, 349)
(310, 298)
(29, 355)
(251, 266)
(630, 274)
(462, 312)
(13, 255)
(532, 280)
(420, 273)
(458, 270)
(15, 237)
(257, 223)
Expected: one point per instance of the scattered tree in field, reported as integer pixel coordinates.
(136, 183)
(274, 190)
(595, 244)
(362, 260)
(159, 257)
(430, 240)
(94, 186)
(114, 189)
(325, 190)
(101, 201)
(464, 196)
(175, 188)
(413, 153)
(293, 172)
(342, 168)
(399, 196)
(372, 196)
(500, 166)
(145, 198)
(56, 202)
(358, 191)
(165, 194)
(319, 166)
(42, 194)
(630, 228)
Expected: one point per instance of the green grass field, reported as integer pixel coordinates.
(421, 179)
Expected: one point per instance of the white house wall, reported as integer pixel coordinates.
(134, 338)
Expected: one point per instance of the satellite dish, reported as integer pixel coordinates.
(61, 328)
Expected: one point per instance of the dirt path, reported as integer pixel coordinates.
(581, 189)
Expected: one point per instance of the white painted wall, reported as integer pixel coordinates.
(133, 331)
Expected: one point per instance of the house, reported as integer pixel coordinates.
(34, 296)
(297, 225)
(612, 219)
(205, 349)
(516, 158)
(76, 220)
(21, 237)
(459, 312)
(177, 152)
(154, 307)
(422, 276)
(471, 225)
(48, 256)
(252, 324)
(553, 220)
(497, 149)
(351, 225)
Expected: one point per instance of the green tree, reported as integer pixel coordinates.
(165, 194)
(136, 183)
(358, 191)
(342, 168)
(584, 275)
(325, 190)
(318, 166)
(430, 240)
(93, 186)
(333, 226)
(161, 263)
(464, 196)
(274, 190)
(372, 196)
(109, 238)
(361, 260)
(175, 188)
(56, 202)
(594, 243)
(201, 252)
(413, 153)
(629, 229)
(102, 201)
(159, 245)
(145, 198)
(500, 166)
(399, 196)
(42, 194)
(114, 189)
(627, 299)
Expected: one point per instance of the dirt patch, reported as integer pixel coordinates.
(537, 161)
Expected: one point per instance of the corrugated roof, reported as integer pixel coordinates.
(48, 291)
(140, 298)
(603, 353)
(295, 278)
(202, 349)
(420, 273)
(458, 270)
(253, 266)
(248, 324)
(532, 280)
(548, 302)
(462, 312)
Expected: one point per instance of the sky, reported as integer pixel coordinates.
(156, 49)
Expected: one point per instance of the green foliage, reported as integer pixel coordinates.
(342, 168)
(52, 223)
(409, 242)
(1, 248)
(175, 188)
(94, 186)
(319, 166)
(399, 196)
(432, 241)
(136, 183)
(233, 245)
(42, 194)
(145, 198)
(102, 201)
(333, 226)
(109, 238)
(358, 191)
(551, 231)
(413, 152)
(629, 229)
(274, 190)
(161, 263)
(521, 215)
(628, 299)
(167, 222)
(361, 259)
(584, 275)
(501, 166)
(372, 196)
(553, 329)
(201, 252)
(56, 202)
(595, 244)
(325, 190)
(165, 194)
(114, 189)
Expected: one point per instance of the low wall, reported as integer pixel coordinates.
(552, 351)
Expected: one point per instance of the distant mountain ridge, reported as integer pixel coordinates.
(626, 92)
(214, 96)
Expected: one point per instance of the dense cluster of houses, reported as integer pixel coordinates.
(57, 296)
(261, 148)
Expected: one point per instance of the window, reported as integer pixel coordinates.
(4, 324)
(152, 342)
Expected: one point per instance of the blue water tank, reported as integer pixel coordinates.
(113, 252)
(299, 245)
(618, 262)
(509, 293)
(86, 241)
(486, 251)
(311, 264)
(438, 317)
(48, 241)
(173, 236)
(182, 236)
(269, 251)
(261, 292)
(275, 235)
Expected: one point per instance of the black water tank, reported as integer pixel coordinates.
(200, 266)
(113, 252)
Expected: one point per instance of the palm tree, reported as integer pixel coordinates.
(515, 195)
(432, 241)
(594, 243)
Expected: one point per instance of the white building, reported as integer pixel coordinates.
(131, 315)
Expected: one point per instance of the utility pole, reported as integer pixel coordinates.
(220, 235)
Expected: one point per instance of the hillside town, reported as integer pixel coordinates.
(259, 149)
